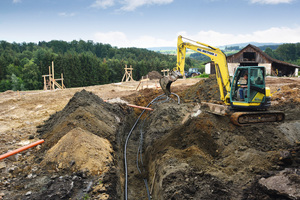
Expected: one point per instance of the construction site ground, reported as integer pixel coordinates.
(187, 153)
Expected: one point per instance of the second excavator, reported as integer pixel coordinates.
(246, 97)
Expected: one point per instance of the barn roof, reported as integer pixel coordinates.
(267, 57)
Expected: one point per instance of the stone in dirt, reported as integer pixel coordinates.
(285, 183)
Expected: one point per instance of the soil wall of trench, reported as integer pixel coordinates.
(185, 153)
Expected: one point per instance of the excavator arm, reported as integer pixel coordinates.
(215, 54)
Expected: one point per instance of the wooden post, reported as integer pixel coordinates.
(125, 74)
(62, 80)
(45, 84)
(53, 74)
(49, 83)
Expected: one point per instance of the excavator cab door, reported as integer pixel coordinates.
(248, 87)
(257, 90)
(239, 89)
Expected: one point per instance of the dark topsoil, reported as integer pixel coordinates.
(184, 157)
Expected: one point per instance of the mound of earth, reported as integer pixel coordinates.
(289, 94)
(79, 155)
(87, 111)
(80, 150)
(154, 75)
(205, 90)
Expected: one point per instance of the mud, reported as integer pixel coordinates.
(186, 152)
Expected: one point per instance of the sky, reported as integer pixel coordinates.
(151, 23)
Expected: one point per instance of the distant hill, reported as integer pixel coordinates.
(262, 46)
(162, 48)
(258, 44)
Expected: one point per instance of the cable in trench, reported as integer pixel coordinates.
(139, 152)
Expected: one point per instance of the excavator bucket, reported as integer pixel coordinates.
(166, 81)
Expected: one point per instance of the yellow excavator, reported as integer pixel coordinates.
(246, 98)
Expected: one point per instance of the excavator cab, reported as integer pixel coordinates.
(248, 89)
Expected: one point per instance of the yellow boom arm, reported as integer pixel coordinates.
(215, 54)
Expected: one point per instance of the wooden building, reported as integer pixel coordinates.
(254, 56)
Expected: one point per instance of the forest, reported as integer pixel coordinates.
(85, 63)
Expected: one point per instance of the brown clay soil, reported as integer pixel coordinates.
(185, 153)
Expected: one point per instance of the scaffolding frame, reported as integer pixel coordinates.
(50, 82)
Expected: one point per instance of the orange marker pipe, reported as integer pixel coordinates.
(135, 106)
(141, 107)
(20, 149)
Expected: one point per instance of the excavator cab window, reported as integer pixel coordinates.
(251, 88)
(239, 90)
(257, 84)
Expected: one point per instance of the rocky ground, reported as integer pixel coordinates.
(179, 151)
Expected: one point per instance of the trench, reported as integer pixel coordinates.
(186, 154)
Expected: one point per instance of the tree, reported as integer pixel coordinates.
(16, 83)
(286, 52)
(5, 85)
(32, 76)
(270, 52)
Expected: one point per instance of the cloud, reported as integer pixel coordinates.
(103, 4)
(128, 5)
(17, 1)
(271, 1)
(113, 38)
(64, 14)
(272, 35)
(213, 38)
(120, 39)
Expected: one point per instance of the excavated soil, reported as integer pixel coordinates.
(154, 75)
(205, 90)
(186, 153)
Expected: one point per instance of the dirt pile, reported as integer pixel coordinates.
(154, 75)
(87, 111)
(288, 94)
(79, 154)
(205, 90)
(80, 150)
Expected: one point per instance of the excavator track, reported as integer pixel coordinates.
(247, 118)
